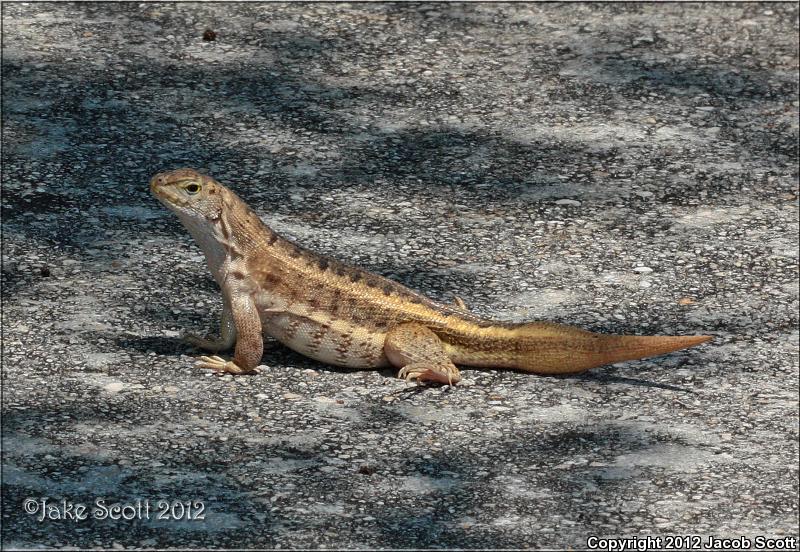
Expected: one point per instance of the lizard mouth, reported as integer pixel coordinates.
(162, 194)
(159, 188)
(166, 194)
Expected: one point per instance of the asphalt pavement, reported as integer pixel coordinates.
(626, 168)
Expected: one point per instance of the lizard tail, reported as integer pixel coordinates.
(546, 348)
(574, 350)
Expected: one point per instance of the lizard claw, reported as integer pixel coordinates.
(424, 373)
(406, 374)
(220, 365)
(212, 363)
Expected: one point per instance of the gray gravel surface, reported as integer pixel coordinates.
(626, 168)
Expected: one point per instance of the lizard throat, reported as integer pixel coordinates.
(209, 238)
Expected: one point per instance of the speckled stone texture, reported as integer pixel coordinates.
(628, 168)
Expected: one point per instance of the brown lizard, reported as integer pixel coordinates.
(346, 316)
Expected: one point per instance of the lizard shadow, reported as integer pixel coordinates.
(612, 379)
(588, 377)
(152, 344)
(603, 379)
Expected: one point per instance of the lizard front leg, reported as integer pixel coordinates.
(419, 354)
(249, 341)
(227, 330)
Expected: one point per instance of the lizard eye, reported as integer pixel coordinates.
(193, 188)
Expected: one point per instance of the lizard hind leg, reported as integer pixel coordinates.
(419, 354)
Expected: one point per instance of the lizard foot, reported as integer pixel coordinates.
(221, 366)
(419, 354)
(422, 372)
(459, 303)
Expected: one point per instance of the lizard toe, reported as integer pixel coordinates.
(215, 363)
(222, 366)
(425, 373)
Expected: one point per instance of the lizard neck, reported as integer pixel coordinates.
(231, 238)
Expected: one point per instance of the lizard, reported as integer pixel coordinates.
(349, 317)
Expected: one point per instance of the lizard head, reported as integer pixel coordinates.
(188, 193)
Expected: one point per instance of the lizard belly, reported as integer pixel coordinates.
(334, 342)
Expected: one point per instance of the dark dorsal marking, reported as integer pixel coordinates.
(356, 317)
(293, 294)
(271, 278)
